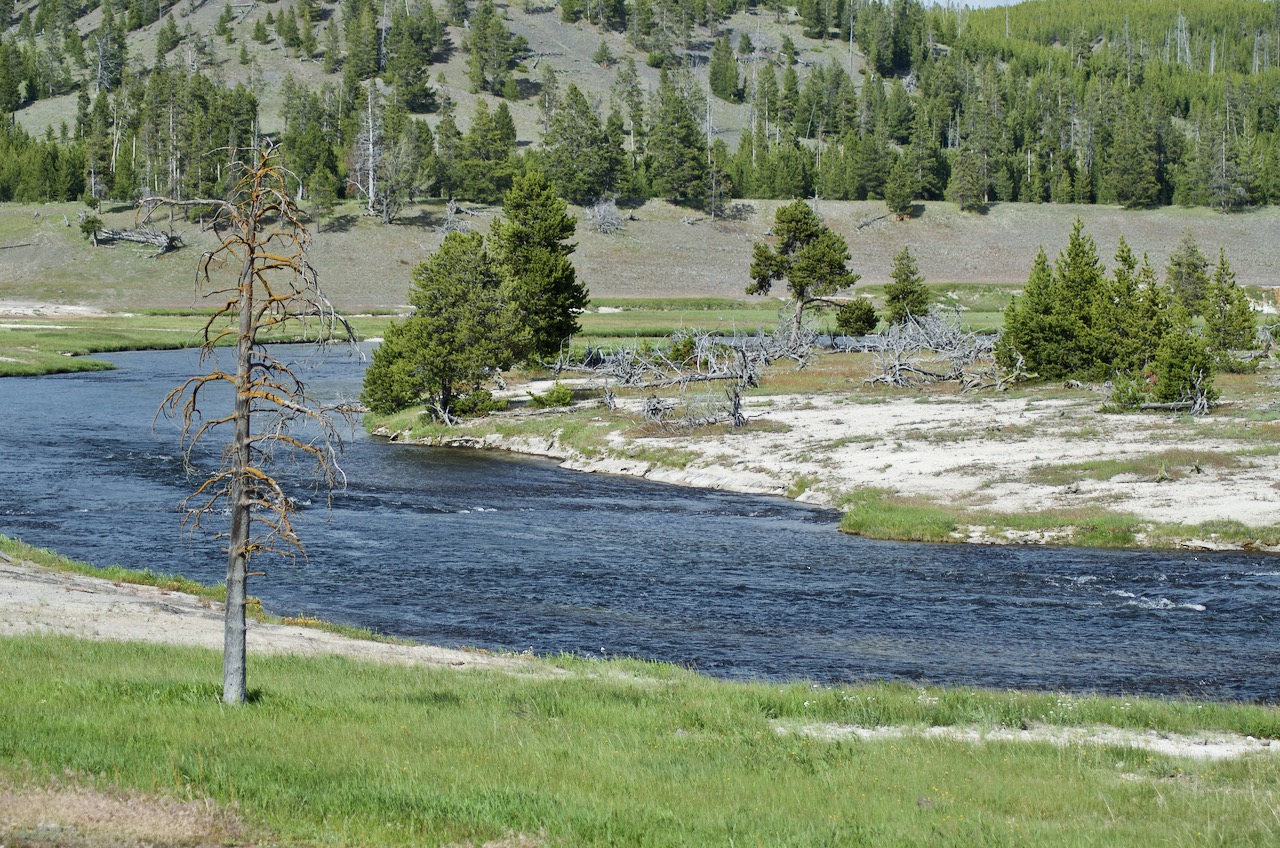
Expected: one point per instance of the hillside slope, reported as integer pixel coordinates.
(366, 266)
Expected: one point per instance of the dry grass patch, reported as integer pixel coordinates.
(70, 815)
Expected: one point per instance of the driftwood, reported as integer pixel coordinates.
(935, 338)
(1174, 406)
(163, 242)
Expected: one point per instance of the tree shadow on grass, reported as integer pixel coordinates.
(339, 224)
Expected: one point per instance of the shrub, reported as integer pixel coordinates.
(477, 404)
(1129, 391)
(557, 395)
(857, 317)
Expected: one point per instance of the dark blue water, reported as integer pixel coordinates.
(467, 548)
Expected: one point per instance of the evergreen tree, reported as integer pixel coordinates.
(578, 156)
(167, 37)
(323, 185)
(901, 188)
(677, 153)
(857, 317)
(907, 296)
(491, 47)
(332, 47)
(724, 70)
(1182, 365)
(530, 244)
(458, 334)
(1132, 169)
(1229, 321)
(809, 256)
(966, 187)
(1188, 275)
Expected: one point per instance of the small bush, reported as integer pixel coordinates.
(857, 317)
(477, 404)
(1129, 391)
(557, 395)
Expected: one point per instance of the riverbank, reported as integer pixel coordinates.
(114, 735)
(1037, 467)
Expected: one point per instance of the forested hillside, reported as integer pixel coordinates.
(1134, 104)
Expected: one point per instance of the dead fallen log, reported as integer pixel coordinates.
(163, 242)
(1174, 406)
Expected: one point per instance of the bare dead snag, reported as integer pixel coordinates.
(273, 417)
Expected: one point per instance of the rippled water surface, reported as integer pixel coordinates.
(464, 548)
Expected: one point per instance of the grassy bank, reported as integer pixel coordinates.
(620, 753)
(881, 514)
(62, 345)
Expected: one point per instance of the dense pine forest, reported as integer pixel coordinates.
(1138, 104)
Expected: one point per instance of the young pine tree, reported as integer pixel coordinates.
(1229, 322)
(907, 296)
(530, 244)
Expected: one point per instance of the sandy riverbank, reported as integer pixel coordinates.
(991, 454)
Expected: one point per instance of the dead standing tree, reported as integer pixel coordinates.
(273, 416)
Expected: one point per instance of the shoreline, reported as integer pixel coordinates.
(983, 459)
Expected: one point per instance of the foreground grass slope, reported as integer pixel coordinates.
(331, 751)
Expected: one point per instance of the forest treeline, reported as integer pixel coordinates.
(1141, 105)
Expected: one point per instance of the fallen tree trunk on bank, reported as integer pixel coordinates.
(163, 242)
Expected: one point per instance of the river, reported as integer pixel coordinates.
(456, 547)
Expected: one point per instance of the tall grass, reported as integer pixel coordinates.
(612, 754)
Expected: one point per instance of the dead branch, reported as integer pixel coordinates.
(604, 218)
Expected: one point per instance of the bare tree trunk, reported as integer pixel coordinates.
(234, 674)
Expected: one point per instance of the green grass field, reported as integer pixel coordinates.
(336, 752)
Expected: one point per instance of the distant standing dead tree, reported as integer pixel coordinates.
(273, 417)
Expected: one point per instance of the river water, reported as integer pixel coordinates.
(465, 548)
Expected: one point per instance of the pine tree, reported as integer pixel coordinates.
(167, 37)
(907, 296)
(809, 256)
(323, 186)
(458, 334)
(1182, 365)
(677, 153)
(491, 48)
(723, 70)
(966, 187)
(579, 162)
(901, 188)
(1229, 321)
(1187, 275)
(332, 48)
(530, 244)
(1132, 171)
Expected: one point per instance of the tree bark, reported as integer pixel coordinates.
(234, 673)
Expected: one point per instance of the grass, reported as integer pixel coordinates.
(879, 514)
(35, 347)
(622, 753)
(1158, 467)
(882, 514)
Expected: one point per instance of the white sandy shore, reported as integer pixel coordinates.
(979, 453)
(39, 600)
